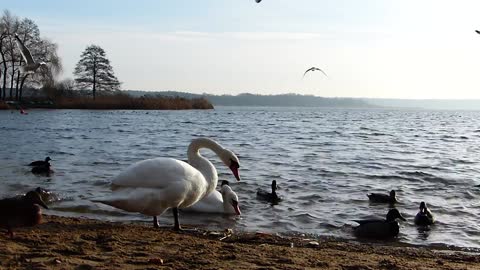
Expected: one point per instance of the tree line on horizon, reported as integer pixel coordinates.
(248, 99)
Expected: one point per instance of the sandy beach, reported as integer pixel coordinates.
(77, 243)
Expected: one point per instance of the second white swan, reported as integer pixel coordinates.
(224, 201)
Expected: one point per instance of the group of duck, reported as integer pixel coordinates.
(152, 186)
(389, 227)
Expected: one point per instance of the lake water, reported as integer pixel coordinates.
(324, 160)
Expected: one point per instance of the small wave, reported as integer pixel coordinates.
(416, 174)
(84, 209)
(105, 163)
(54, 152)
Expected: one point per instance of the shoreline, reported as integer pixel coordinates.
(81, 243)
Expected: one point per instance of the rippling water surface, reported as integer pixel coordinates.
(324, 160)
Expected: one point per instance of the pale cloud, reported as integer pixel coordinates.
(424, 50)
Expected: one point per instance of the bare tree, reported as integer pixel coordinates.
(11, 59)
(94, 70)
(3, 36)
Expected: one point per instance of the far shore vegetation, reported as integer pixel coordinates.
(55, 98)
(94, 86)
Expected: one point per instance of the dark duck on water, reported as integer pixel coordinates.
(379, 228)
(21, 211)
(383, 198)
(424, 217)
(42, 169)
(40, 162)
(269, 197)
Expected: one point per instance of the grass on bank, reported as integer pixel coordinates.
(117, 101)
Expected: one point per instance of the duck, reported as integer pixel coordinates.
(46, 195)
(40, 162)
(152, 186)
(383, 198)
(21, 211)
(42, 169)
(379, 228)
(424, 217)
(271, 197)
(224, 201)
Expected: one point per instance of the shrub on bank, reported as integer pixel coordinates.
(3, 105)
(62, 99)
(124, 102)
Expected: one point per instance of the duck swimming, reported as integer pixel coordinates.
(269, 197)
(424, 217)
(378, 228)
(383, 198)
(154, 185)
(40, 162)
(21, 211)
(223, 202)
(42, 169)
(46, 195)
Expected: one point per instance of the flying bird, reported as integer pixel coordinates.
(313, 69)
(478, 32)
(31, 66)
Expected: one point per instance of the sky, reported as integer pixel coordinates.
(405, 49)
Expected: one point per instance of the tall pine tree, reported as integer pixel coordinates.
(94, 71)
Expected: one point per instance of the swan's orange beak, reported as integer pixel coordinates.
(235, 206)
(235, 172)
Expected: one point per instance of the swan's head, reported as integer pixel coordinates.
(231, 161)
(230, 197)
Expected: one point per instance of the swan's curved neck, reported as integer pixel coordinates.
(202, 164)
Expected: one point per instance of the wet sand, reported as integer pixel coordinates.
(73, 243)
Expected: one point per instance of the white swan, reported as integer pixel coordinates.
(223, 202)
(30, 64)
(154, 185)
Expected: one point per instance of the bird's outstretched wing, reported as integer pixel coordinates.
(478, 32)
(258, 1)
(322, 72)
(310, 69)
(27, 56)
(313, 69)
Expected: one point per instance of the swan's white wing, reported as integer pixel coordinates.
(150, 201)
(27, 56)
(157, 173)
(133, 199)
(175, 183)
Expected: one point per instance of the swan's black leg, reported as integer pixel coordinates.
(176, 227)
(155, 222)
